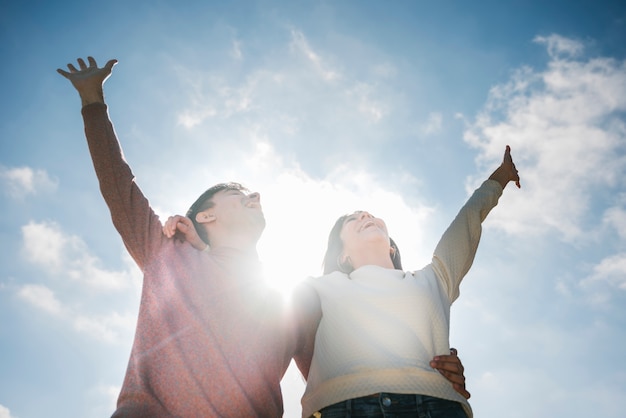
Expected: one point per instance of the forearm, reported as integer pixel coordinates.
(457, 247)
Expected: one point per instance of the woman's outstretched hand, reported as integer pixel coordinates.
(507, 171)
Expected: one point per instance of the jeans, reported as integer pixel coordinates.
(394, 405)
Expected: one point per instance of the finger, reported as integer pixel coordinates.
(63, 73)
(450, 367)
(109, 65)
(447, 359)
(461, 389)
(182, 227)
(82, 64)
(452, 377)
(516, 176)
(453, 351)
(171, 225)
(72, 68)
(92, 62)
(449, 363)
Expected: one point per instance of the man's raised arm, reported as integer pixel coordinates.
(131, 213)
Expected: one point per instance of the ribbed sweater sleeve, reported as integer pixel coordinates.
(456, 250)
(132, 216)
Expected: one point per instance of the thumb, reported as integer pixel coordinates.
(109, 65)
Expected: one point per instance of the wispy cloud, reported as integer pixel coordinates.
(236, 52)
(433, 124)
(288, 95)
(63, 255)
(558, 45)
(74, 275)
(19, 182)
(611, 270)
(42, 297)
(300, 44)
(110, 328)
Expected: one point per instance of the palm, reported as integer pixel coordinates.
(87, 76)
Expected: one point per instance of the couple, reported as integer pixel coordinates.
(213, 340)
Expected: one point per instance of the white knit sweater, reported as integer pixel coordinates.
(381, 327)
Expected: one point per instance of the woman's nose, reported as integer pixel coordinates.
(255, 196)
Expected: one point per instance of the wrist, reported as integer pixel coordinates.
(90, 97)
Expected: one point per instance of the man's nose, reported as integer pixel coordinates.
(255, 196)
(365, 214)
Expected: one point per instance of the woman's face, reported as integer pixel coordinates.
(360, 230)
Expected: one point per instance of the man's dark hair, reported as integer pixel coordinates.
(204, 202)
(335, 248)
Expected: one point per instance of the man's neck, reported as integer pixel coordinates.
(246, 246)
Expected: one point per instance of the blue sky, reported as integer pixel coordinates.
(325, 107)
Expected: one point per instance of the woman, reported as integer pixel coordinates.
(380, 326)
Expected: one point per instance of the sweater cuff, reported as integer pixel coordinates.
(493, 186)
(93, 108)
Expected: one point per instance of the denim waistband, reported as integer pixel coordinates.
(381, 404)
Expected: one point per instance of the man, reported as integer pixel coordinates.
(211, 340)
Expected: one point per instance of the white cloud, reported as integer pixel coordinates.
(45, 245)
(64, 257)
(42, 297)
(433, 124)
(295, 97)
(235, 52)
(611, 270)
(615, 219)
(558, 45)
(566, 129)
(363, 94)
(5, 412)
(211, 97)
(22, 181)
(300, 44)
(110, 328)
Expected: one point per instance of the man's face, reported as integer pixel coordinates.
(237, 210)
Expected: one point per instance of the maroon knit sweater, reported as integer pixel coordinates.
(212, 340)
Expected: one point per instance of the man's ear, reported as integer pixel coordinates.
(205, 217)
